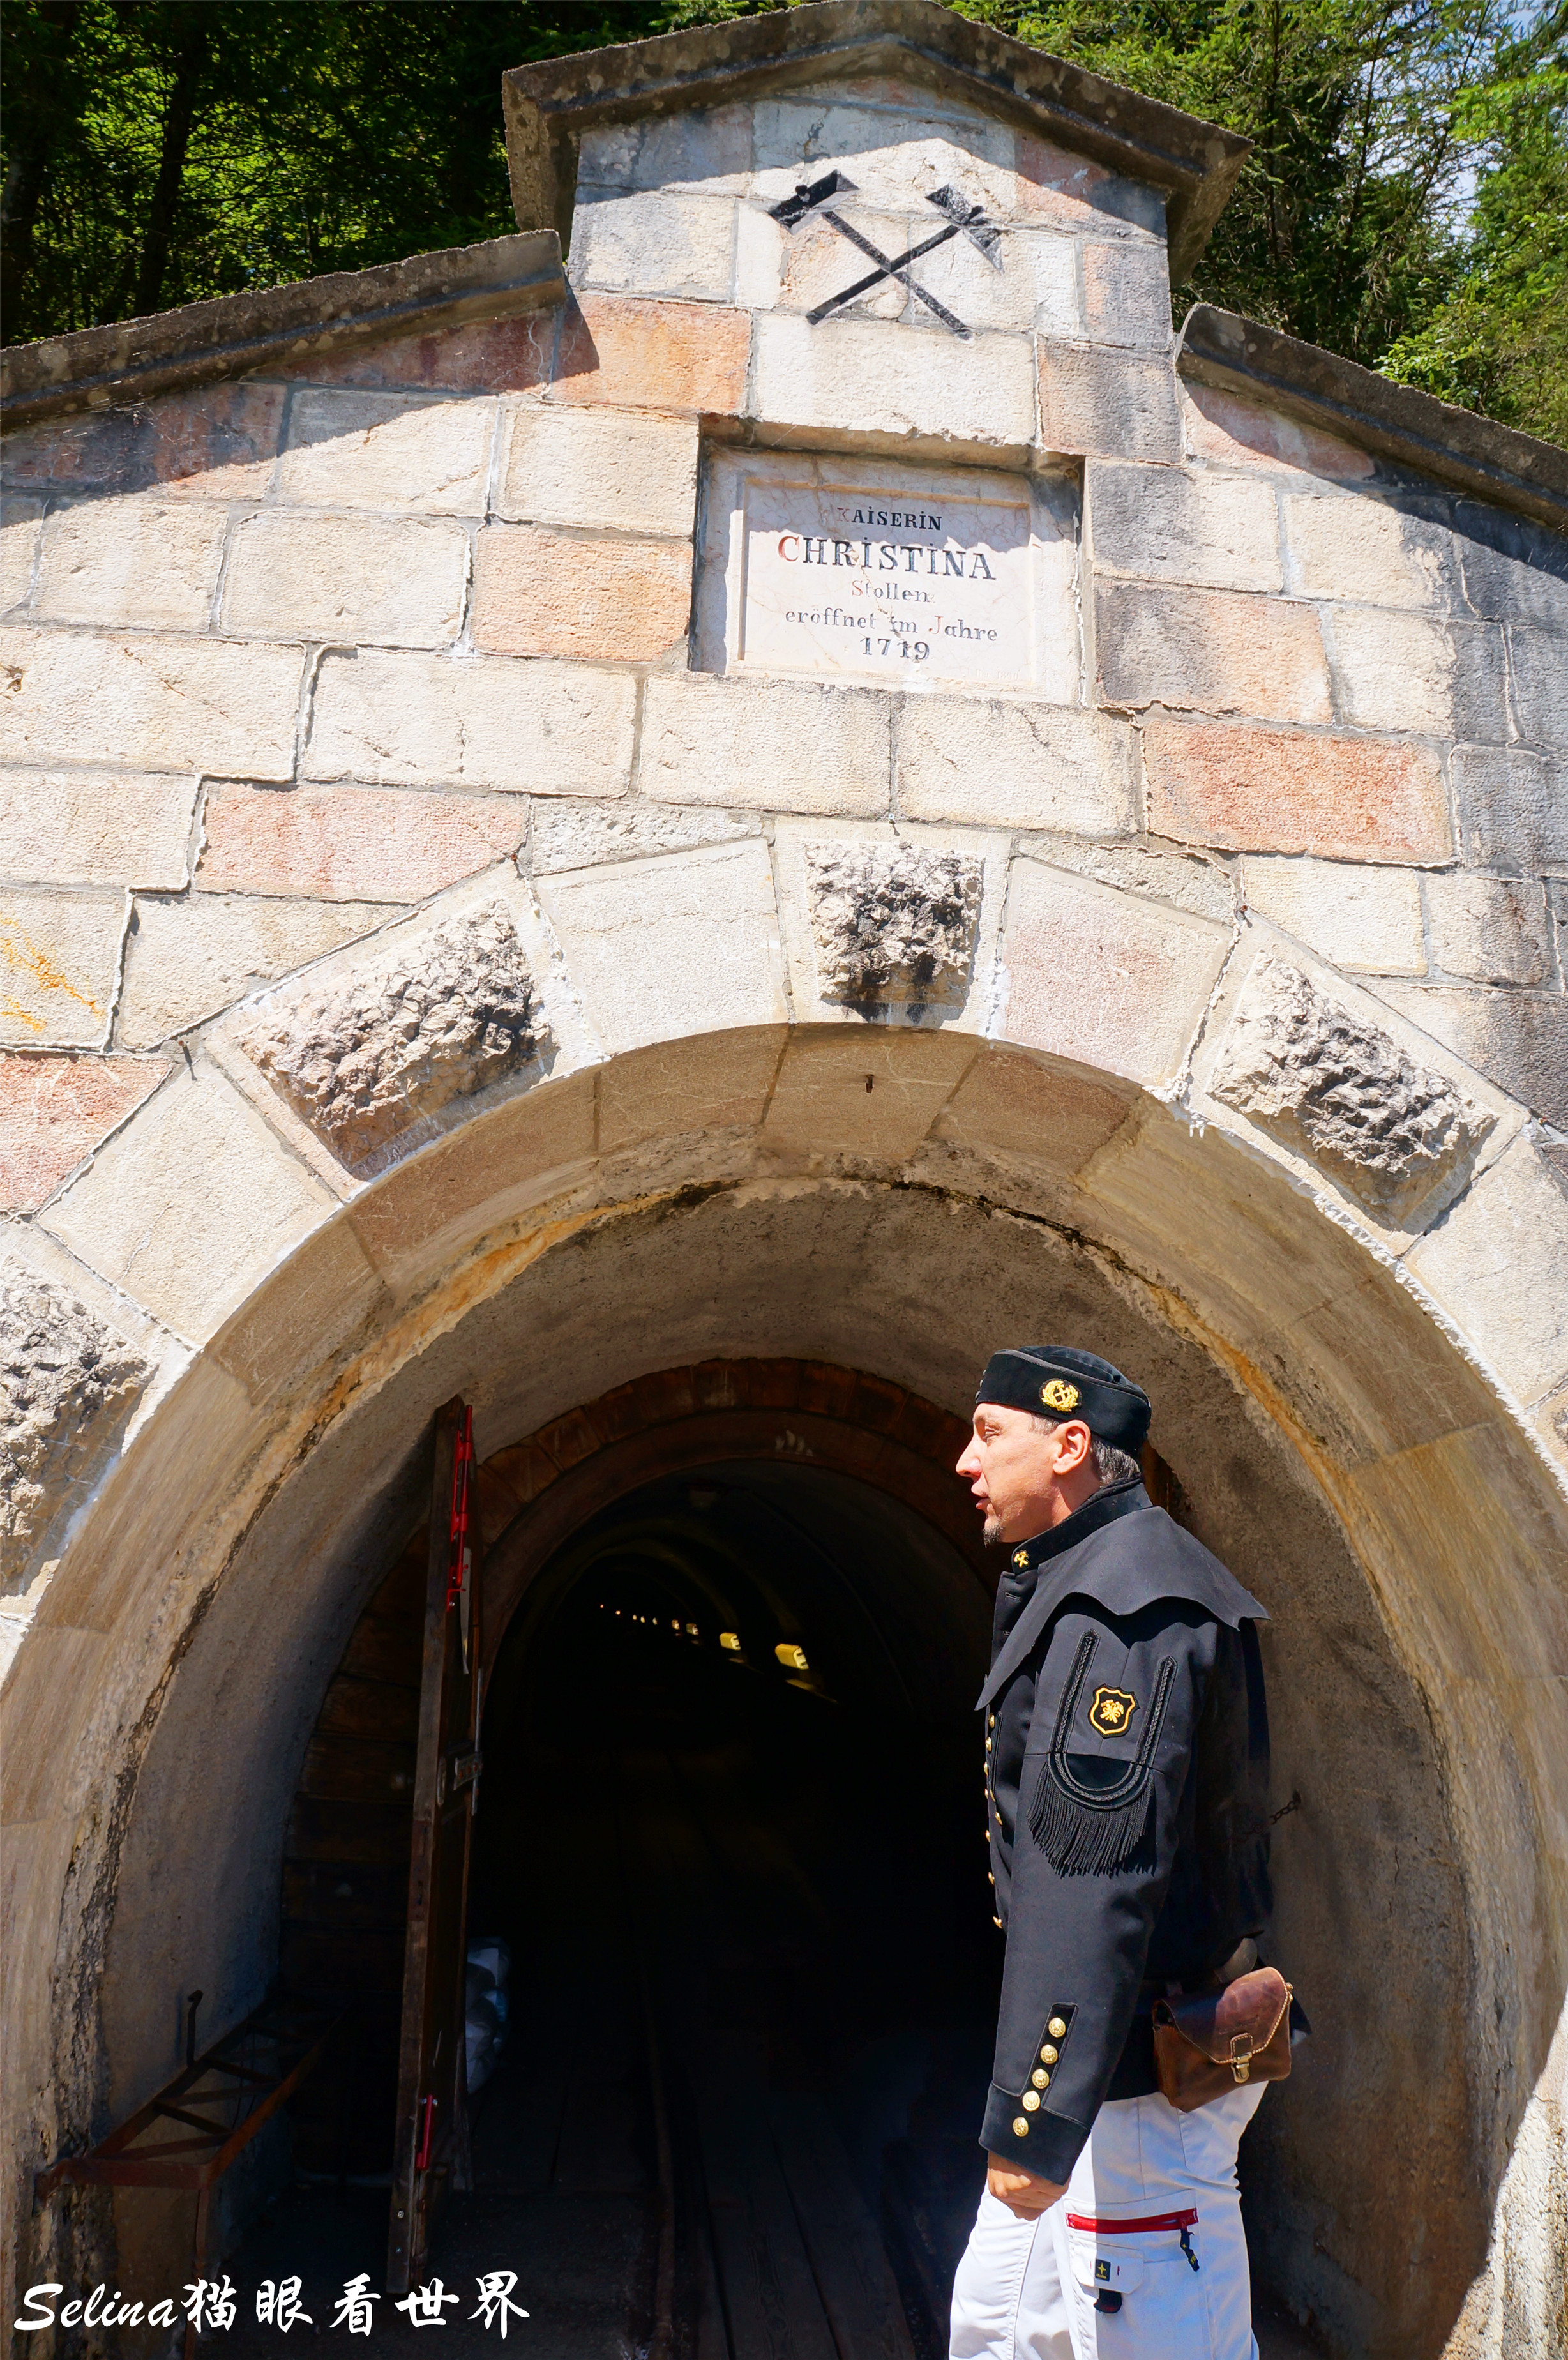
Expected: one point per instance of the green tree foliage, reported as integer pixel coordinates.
(1406, 202)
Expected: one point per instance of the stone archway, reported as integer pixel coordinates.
(1002, 1187)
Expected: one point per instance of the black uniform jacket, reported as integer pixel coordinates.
(1127, 1769)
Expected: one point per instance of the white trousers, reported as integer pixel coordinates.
(1027, 2289)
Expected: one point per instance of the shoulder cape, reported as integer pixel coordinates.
(1124, 1567)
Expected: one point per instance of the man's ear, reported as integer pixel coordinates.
(1075, 1443)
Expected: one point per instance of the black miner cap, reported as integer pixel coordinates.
(1054, 1381)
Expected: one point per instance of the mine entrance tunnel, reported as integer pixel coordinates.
(730, 1831)
(733, 1836)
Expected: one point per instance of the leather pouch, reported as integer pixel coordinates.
(1209, 2042)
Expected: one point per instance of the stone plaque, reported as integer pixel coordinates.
(905, 576)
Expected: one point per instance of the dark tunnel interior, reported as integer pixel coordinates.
(732, 1834)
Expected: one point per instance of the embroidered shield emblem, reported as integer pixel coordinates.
(1112, 1710)
(1059, 1394)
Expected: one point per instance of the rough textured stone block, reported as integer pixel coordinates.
(60, 955)
(217, 443)
(1103, 977)
(1233, 432)
(892, 923)
(1513, 809)
(367, 450)
(1211, 651)
(370, 1060)
(350, 843)
(1271, 790)
(55, 1110)
(1107, 404)
(988, 764)
(1126, 293)
(19, 528)
(429, 721)
(1488, 929)
(149, 704)
(584, 836)
(821, 1106)
(190, 1205)
(1361, 549)
(636, 471)
(128, 561)
(652, 244)
(769, 745)
(650, 355)
(1367, 920)
(392, 583)
(1343, 1093)
(1401, 671)
(1171, 527)
(1498, 1265)
(1517, 1038)
(662, 947)
(1537, 664)
(69, 1387)
(872, 376)
(95, 827)
(547, 594)
(186, 959)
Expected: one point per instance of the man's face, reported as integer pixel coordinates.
(1026, 1477)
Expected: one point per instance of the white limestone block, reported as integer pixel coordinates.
(20, 526)
(1365, 920)
(60, 955)
(654, 245)
(496, 723)
(1498, 1265)
(986, 762)
(656, 949)
(1488, 929)
(871, 376)
(391, 582)
(632, 470)
(764, 745)
(150, 704)
(190, 1205)
(358, 450)
(97, 828)
(187, 958)
(126, 561)
(1106, 978)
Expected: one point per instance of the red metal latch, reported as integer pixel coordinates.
(457, 1536)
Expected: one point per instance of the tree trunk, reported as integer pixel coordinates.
(179, 117)
(34, 106)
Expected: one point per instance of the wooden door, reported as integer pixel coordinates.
(430, 2156)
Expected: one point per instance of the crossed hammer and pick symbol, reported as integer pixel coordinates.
(964, 220)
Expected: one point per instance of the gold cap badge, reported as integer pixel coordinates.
(1059, 1394)
(1112, 1710)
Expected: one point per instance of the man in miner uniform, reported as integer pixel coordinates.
(1126, 1759)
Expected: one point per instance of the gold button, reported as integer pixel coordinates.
(987, 1745)
(996, 1921)
(989, 1878)
(992, 1722)
(1019, 2126)
(1057, 2027)
(1040, 2078)
(1048, 2055)
(1030, 2101)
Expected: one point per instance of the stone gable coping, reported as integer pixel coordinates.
(128, 360)
(548, 105)
(1395, 421)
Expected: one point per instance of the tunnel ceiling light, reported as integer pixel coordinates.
(793, 1659)
(692, 1630)
(730, 1639)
